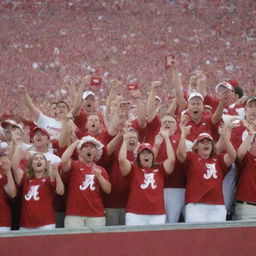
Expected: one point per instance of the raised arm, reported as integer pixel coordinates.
(169, 162)
(217, 116)
(66, 157)
(151, 103)
(230, 156)
(17, 171)
(141, 108)
(114, 143)
(158, 141)
(115, 84)
(35, 112)
(10, 187)
(54, 175)
(65, 133)
(242, 150)
(79, 97)
(201, 83)
(182, 149)
(176, 81)
(124, 163)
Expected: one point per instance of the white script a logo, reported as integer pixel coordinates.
(88, 182)
(149, 179)
(33, 192)
(211, 172)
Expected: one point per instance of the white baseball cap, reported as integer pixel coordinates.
(88, 93)
(250, 100)
(195, 94)
(224, 84)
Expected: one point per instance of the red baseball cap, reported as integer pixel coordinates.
(35, 129)
(143, 146)
(234, 83)
(204, 135)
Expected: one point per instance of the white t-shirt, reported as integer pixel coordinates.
(50, 124)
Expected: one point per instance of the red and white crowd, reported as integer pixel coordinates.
(133, 158)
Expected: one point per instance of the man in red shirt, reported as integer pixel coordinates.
(86, 181)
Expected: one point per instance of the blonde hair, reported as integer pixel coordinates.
(30, 170)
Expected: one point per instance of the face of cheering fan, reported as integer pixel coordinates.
(204, 147)
(93, 124)
(38, 163)
(132, 140)
(89, 104)
(88, 152)
(146, 158)
(195, 108)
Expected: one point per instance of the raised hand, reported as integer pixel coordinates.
(159, 139)
(156, 84)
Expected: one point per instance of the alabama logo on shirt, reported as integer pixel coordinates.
(88, 182)
(149, 180)
(211, 171)
(33, 193)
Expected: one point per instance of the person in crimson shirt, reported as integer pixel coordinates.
(205, 172)
(145, 202)
(230, 108)
(174, 185)
(38, 183)
(7, 189)
(238, 134)
(201, 123)
(246, 187)
(116, 201)
(86, 182)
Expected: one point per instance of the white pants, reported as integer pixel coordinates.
(205, 213)
(45, 227)
(245, 211)
(115, 216)
(80, 221)
(5, 229)
(133, 219)
(229, 188)
(174, 200)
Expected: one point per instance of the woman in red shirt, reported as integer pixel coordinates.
(38, 183)
(146, 198)
(205, 172)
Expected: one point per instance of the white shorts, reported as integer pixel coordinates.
(174, 200)
(133, 219)
(205, 213)
(45, 227)
(5, 229)
(80, 221)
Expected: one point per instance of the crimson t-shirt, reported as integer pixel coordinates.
(84, 191)
(119, 184)
(204, 179)
(37, 202)
(246, 189)
(146, 190)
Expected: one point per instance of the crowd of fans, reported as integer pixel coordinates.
(145, 147)
(132, 158)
